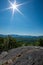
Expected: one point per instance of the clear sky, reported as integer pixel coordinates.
(30, 23)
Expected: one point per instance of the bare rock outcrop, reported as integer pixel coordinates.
(27, 55)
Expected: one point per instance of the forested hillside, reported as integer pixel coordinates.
(9, 42)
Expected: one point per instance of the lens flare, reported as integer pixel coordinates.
(14, 7)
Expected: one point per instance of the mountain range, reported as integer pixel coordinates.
(21, 36)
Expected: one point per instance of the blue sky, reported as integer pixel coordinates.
(29, 24)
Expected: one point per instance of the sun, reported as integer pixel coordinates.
(15, 7)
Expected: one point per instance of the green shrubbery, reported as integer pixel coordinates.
(10, 42)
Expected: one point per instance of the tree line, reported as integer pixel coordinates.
(9, 42)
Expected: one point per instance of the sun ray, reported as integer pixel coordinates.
(22, 3)
(19, 11)
(10, 2)
(7, 8)
(14, 7)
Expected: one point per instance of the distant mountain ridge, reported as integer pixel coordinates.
(20, 36)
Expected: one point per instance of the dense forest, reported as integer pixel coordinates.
(10, 42)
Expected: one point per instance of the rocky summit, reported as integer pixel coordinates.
(27, 55)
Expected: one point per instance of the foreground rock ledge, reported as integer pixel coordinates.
(28, 55)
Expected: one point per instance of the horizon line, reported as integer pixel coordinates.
(22, 34)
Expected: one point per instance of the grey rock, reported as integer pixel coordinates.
(27, 55)
(3, 54)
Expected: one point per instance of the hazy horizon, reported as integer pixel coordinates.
(21, 34)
